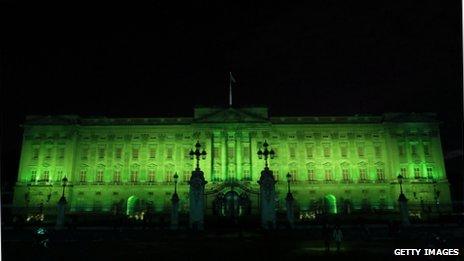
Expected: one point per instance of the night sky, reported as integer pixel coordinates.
(160, 59)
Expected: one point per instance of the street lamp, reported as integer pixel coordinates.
(266, 153)
(176, 177)
(64, 182)
(289, 179)
(400, 181)
(197, 154)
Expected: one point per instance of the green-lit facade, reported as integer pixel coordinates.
(126, 165)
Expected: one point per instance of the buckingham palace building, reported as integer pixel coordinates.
(337, 164)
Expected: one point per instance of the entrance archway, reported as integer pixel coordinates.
(330, 204)
(133, 206)
(231, 205)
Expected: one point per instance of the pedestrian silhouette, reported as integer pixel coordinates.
(338, 237)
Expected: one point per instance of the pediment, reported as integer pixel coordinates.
(230, 115)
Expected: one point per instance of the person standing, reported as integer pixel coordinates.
(338, 237)
(326, 235)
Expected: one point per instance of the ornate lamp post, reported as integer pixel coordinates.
(403, 204)
(175, 206)
(197, 190)
(60, 219)
(290, 203)
(267, 189)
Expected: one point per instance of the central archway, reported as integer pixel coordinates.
(133, 205)
(231, 205)
(330, 204)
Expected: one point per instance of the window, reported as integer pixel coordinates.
(117, 176)
(311, 176)
(216, 153)
(344, 151)
(417, 173)
(246, 152)
(134, 176)
(59, 175)
(231, 152)
(186, 176)
(360, 151)
(151, 176)
(135, 153)
(118, 153)
(46, 176)
(378, 151)
(309, 152)
(328, 175)
(35, 153)
(99, 177)
(404, 172)
(169, 153)
(363, 174)
(414, 149)
(276, 175)
(246, 175)
(48, 154)
(101, 153)
(426, 150)
(85, 154)
(186, 154)
(292, 152)
(82, 176)
(152, 153)
(169, 176)
(345, 174)
(33, 176)
(294, 174)
(401, 150)
(380, 174)
(430, 172)
(326, 151)
(61, 153)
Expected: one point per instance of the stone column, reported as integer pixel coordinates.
(196, 199)
(404, 212)
(289, 201)
(175, 212)
(267, 196)
(61, 209)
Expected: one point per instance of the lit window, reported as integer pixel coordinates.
(363, 174)
(380, 174)
(430, 172)
(326, 151)
(294, 177)
(231, 152)
(85, 153)
(134, 176)
(292, 152)
(417, 173)
(101, 153)
(344, 151)
(186, 176)
(169, 154)
(246, 175)
(118, 153)
(414, 149)
(401, 150)
(35, 154)
(378, 151)
(169, 176)
(309, 152)
(426, 150)
(135, 153)
(61, 153)
(360, 151)
(33, 175)
(151, 176)
(246, 152)
(99, 177)
(276, 175)
(46, 176)
(216, 153)
(311, 176)
(328, 175)
(48, 153)
(346, 174)
(117, 176)
(82, 176)
(152, 153)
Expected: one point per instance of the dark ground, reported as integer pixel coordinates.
(124, 244)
